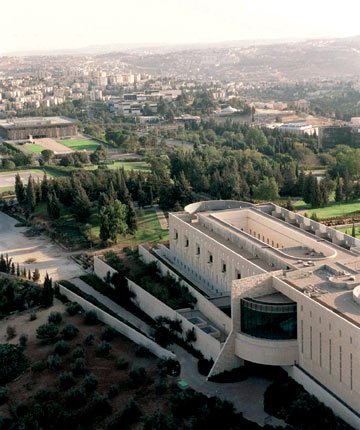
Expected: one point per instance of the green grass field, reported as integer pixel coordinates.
(333, 209)
(349, 231)
(79, 144)
(149, 229)
(127, 165)
(36, 149)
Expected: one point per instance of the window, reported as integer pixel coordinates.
(210, 259)
(197, 250)
(238, 275)
(223, 267)
(186, 242)
(176, 235)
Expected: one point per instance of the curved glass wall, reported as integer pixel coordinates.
(268, 320)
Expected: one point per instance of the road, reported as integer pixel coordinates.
(48, 257)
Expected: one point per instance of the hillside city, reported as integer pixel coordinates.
(180, 236)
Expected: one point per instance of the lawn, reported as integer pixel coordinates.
(348, 231)
(80, 144)
(128, 165)
(149, 229)
(36, 149)
(333, 209)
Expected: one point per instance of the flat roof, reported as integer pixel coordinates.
(36, 122)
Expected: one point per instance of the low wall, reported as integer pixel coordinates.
(324, 396)
(208, 309)
(208, 345)
(119, 326)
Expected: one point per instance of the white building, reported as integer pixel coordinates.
(294, 289)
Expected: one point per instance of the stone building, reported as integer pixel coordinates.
(38, 127)
(293, 285)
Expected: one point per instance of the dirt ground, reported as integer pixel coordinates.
(48, 256)
(104, 368)
(53, 145)
(8, 180)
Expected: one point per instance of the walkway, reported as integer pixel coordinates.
(123, 313)
(162, 218)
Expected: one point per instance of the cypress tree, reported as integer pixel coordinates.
(131, 219)
(47, 293)
(45, 188)
(353, 233)
(30, 195)
(339, 193)
(19, 189)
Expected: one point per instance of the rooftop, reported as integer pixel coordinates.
(36, 122)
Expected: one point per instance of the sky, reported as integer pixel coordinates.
(63, 24)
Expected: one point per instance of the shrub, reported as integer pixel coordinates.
(122, 364)
(43, 395)
(39, 366)
(54, 363)
(4, 395)
(100, 405)
(89, 340)
(158, 421)
(170, 366)
(12, 362)
(78, 367)
(47, 332)
(190, 336)
(108, 333)
(75, 398)
(131, 414)
(142, 351)
(66, 381)
(204, 366)
(90, 383)
(73, 309)
(114, 390)
(10, 332)
(78, 352)
(137, 377)
(103, 349)
(55, 318)
(23, 339)
(69, 332)
(61, 347)
(33, 316)
(90, 318)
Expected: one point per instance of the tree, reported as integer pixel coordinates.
(19, 189)
(30, 195)
(12, 362)
(36, 275)
(47, 155)
(339, 193)
(47, 293)
(113, 221)
(81, 204)
(99, 155)
(353, 233)
(131, 219)
(53, 205)
(266, 190)
(47, 332)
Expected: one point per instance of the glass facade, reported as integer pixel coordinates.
(268, 320)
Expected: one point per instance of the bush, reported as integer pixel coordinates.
(122, 364)
(55, 318)
(137, 377)
(61, 347)
(89, 340)
(75, 398)
(10, 332)
(100, 405)
(78, 352)
(69, 332)
(90, 383)
(114, 390)
(39, 366)
(43, 395)
(54, 363)
(108, 333)
(47, 332)
(103, 349)
(73, 309)
(23, 339)
(90, 318)
(4, 395)
(78, 367)
(33, 316)
(131, 414)
(204, 366)
(170, 366)
(142, 351)
(12, 362)
(66, 381)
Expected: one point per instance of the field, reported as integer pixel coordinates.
(348, 231)
(333, 209)
(126, 165)
(149, 229)
(80, 144)
(33, 147)
(7, 179)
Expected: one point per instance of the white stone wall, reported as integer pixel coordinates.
(208, 309)
(102, 269)
(119, 326)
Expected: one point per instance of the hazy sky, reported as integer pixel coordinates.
(50, 24)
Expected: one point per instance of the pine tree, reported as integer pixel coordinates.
(19, 189)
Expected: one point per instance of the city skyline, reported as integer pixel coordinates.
(80, 24)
